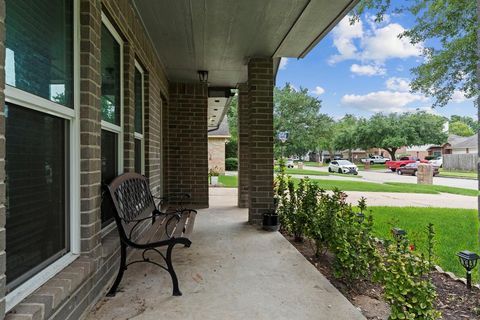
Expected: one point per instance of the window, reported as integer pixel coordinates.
(42, 143)
(111, 104)
(139, 109)
(39, 48)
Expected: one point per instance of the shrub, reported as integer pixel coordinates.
(407, 289)
(429, 157)
(231, 164)
(356, 253)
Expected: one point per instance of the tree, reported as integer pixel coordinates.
(473, 124)
(394, 131)
(460, 129)
(298, 113)
(231, 147)
(346, 135)
(451, 59)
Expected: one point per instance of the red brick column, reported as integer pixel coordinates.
(187, 142)
(260, 82)
(243, 150)
(90, 129)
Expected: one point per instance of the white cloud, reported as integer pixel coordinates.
(398, 84)
(375, 43)
(367, 70)
(318, 91)
(343, 39)
(459, 97)
(384, 44)
(283, 63)
(382, 101)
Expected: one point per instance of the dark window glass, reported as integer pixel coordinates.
(39, 48)
(36, 204)
(110, 64)
(109, 170)
(138, 156)
(138, 102)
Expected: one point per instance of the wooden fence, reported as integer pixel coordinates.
(466, 161)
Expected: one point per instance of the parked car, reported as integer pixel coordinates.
(375, 160)
(290, 163)
(412, 169)
(402, 162)
(438, 162)
(342, 166)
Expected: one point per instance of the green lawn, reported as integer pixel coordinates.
(228, 181)
(458, 174)
(303, 172)
(456, 230)
(312, 163)
(391, 187)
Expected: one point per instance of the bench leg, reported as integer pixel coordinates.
(121, 270)
(176, 290)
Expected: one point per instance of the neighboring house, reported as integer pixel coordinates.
(455, 145)
(216, 146)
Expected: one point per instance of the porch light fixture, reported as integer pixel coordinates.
(203, 76)
(468, 260)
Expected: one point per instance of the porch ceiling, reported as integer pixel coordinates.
(220, 35)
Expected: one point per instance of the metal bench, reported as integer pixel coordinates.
(133, 205)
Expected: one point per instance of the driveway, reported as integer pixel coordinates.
(381, 176)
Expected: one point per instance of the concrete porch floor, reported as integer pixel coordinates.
(232, 271)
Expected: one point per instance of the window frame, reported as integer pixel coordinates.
(136, 135)
(72, 116)
(105, 125)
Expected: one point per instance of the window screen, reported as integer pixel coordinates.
(36, 191)
(138, 156)
(138, 102)
(109, 170)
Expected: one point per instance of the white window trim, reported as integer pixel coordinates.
(140, 136)
(30, 101)
(110, 126)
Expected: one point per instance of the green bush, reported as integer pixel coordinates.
(356, 253)
(430, 157)
(231, 164)
(407, 288)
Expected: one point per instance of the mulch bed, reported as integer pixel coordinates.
(454, 300)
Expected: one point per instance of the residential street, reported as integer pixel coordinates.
(388, 176)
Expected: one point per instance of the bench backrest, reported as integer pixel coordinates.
(131, 197)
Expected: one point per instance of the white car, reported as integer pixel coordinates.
(375, 160)
(342, 166)
(290, 163)
(438, 162)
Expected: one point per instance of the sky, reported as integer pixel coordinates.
(364, 68)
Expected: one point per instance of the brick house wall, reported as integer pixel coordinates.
(216, 154)
(70, 293)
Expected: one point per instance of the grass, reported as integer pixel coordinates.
(458, 174)
(391, 187)
(228, 181)
(311, 163)
(456, 230)
(303, 172)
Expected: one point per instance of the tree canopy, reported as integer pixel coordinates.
(393, 131)
(298, 113)
(460, 129)
(451, 57)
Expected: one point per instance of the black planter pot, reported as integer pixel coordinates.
(270, 221)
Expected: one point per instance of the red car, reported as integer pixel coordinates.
(412, 169)
(393, 165)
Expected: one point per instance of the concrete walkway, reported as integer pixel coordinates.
(392, 199)
(232, 271)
